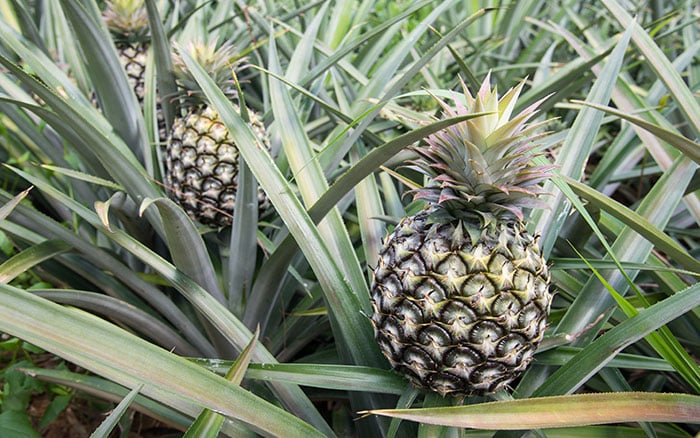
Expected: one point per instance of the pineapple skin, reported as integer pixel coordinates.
(132, 57)
(201, 166)
(459, 316)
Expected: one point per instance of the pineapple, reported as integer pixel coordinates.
(201, 156)
(127, 20)
(460, 294)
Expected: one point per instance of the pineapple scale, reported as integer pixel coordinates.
(456, 316)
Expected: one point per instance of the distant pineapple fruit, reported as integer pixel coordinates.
(201, 157)
(461, 292)
(127, 20)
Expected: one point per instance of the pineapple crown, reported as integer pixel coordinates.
(482, 167)
(217, 62)
(127, 20)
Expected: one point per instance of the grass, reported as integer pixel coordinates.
(262, 328)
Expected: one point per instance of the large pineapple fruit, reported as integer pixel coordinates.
(461, 291)
(201, 157)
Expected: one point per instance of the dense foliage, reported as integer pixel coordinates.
(263, 326)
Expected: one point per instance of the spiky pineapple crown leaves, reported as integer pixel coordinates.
(219, 62)
(127, 20)
(483, 167)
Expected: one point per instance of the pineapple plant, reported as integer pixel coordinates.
(461, 292)
(201, 156)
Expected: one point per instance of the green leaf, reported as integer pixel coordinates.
(17, 425)
(114, 93)
(130, 361)
(208, 423)
(346, 293)
(243, 242)
(58, 405)
(103, 389)
(341, 377)
(102, 259)
(226, 323)
(685, 145)
(92, 140)
(562, 355)
(561, 411)
(113, 418)
(7, 208)
(636, 222)
(662, 66)
(165, 77)
(663, 342)
(186, 246)
(127, 314)
(83, 177)
(598, 353)
(577, 146)
(383, 77)
(31, 257)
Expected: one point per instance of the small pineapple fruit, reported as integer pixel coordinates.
(201, 156)
(461, 291)
(127, 20)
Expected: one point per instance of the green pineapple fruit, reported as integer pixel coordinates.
(127, 20)
(461, 291)
(201, 156)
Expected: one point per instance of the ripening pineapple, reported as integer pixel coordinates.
(127, 20)
(201, 156)
(461, 291)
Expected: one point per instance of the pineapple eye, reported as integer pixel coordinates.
(489, 376)
(206, 164)
(434, 335)
(452, 266)
(226, 171)
(504, 303)
(193, 178)
(445, 383)
(206, 145)
(413, 266)
(463, 359)
(188, 156)
(389, 287)
(227, 153)
(430, 291)
(485, 331)
(457, 312)
(418, 360)
(528, 315)
(512, 345)
(522, 280)
(498, 263)
(227, 199)
(480, 285)
(409, 312)
(389, 330)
